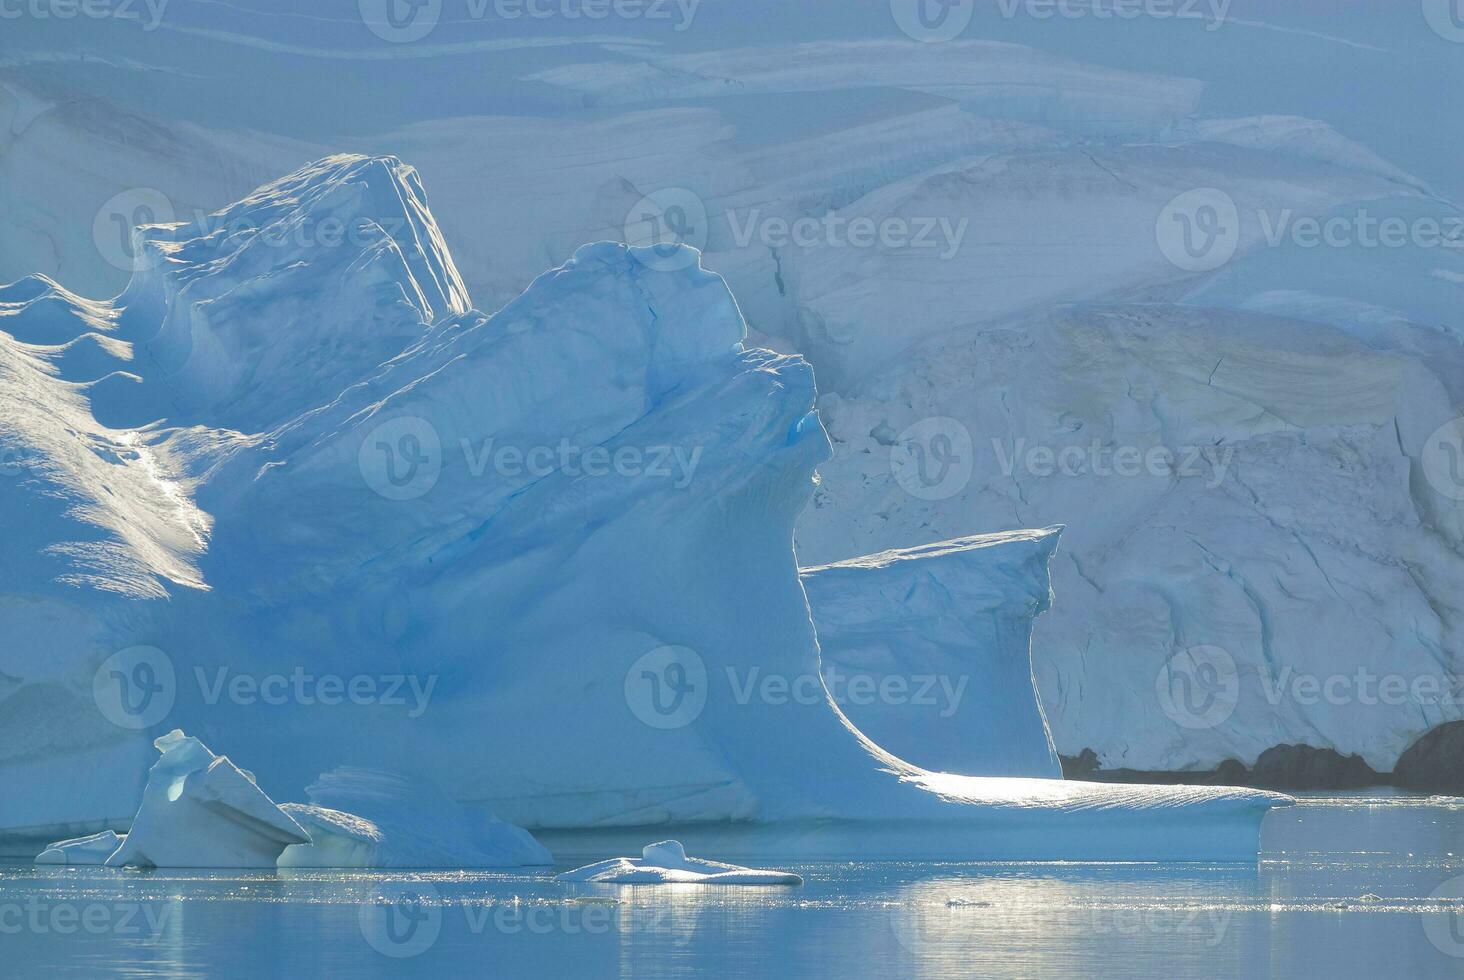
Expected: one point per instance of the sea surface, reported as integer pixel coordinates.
(1346, 887)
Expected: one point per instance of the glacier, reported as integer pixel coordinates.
(1323, 553)
(293, 481)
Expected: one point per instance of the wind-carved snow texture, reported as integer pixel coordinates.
(928, 650)
(381, 532)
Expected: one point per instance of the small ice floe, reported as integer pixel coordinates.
(665, 863)
(82, 850)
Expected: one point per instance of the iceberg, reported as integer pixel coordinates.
(396, 822)
(201, 811)
(928, 650)
(666, 863)
(541, 559)
(94, 849)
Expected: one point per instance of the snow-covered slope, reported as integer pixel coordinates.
(548, 526)
(928, 650)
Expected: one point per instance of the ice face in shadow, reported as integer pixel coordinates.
(928, 650)
(555, 544)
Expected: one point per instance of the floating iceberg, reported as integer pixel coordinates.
(666, 863)
(928, 650)
(580, 508)
(395, 822)
(201, 811)
(82, 850)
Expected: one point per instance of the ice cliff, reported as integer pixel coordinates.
(289, 490)
(928, 650)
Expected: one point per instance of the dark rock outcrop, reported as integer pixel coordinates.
(1434, 763)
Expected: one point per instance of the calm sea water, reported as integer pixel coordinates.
(1348, 887)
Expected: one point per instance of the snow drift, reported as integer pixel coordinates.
(564, 529)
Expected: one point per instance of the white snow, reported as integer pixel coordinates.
(666, 863)
(201, 811)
